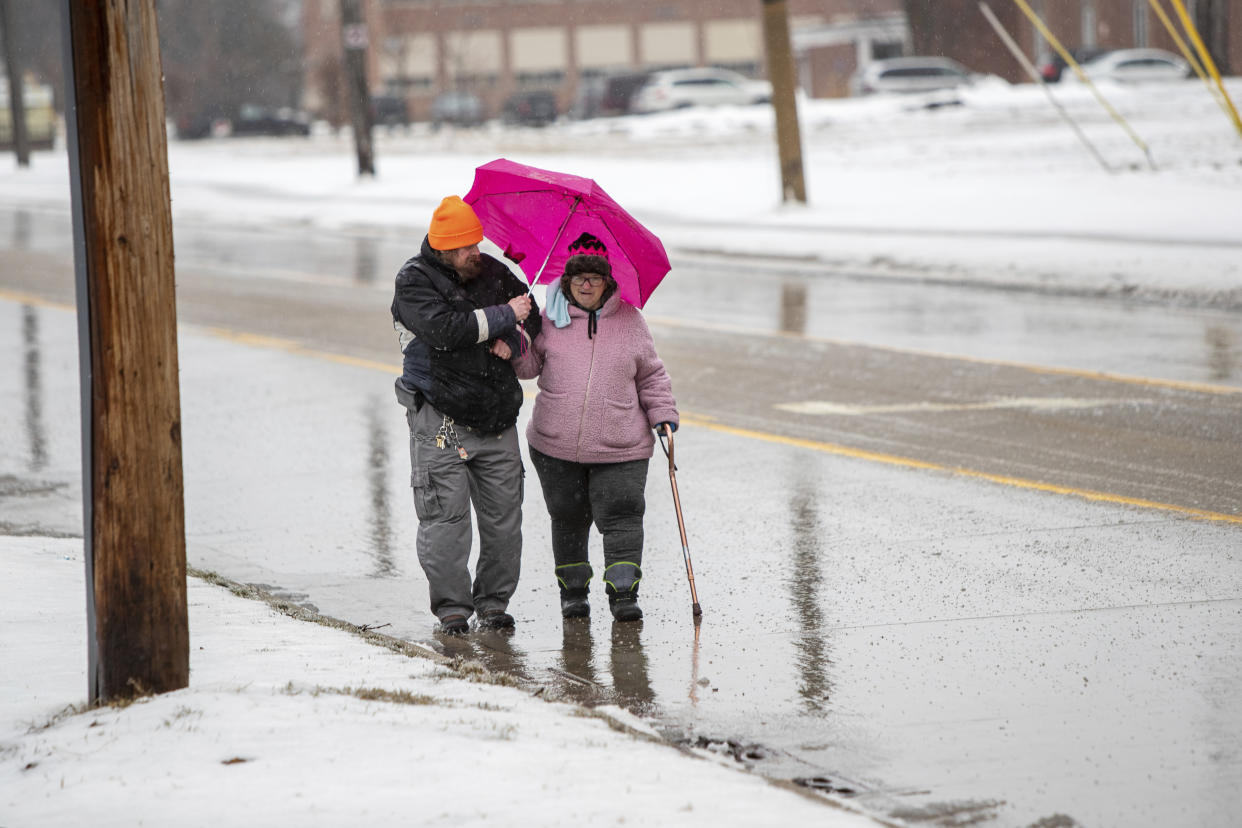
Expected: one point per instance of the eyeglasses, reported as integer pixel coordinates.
(579, 281)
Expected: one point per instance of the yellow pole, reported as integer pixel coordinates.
(1082, 76)
(1189, 26)
(1189, 55)
(1034, 75)
(1181, 44)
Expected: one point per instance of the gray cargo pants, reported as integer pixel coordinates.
(491, 477)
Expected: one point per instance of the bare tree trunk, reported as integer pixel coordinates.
(784, 99)
(17, 99)
(134, 522)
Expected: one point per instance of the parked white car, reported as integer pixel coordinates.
(907, 75)
(1136, 66)
(704, 86)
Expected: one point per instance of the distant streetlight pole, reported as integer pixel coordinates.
(17, 100)
(354, 41)
(132, 490)
(784, 100)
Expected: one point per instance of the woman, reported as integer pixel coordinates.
(602, 389)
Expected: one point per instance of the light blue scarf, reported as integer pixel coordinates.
(556, 305)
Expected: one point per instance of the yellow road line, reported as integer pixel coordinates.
(31, 299)
(707, 422)
(1151, 382)
(1128, 379)
(923, 465)
(289, 346)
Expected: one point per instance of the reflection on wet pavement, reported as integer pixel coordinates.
(1222, 350)
(793, 308)
(805, 581)
(35, 429)
(377, 474)
(629, 668)
(21, 230)
(367, 266)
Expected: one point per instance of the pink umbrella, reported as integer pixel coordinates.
(534, 214)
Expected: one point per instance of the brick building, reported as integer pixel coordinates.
(956, 29)
(493, 48)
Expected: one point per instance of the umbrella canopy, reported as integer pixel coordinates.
(534, 214)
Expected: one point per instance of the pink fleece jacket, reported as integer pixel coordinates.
(599, 397)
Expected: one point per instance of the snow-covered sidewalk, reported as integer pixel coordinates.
(295, 723)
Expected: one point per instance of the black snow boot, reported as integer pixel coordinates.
(622, 588)
(573, 580)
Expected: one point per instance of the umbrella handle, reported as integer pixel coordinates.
(572, 209)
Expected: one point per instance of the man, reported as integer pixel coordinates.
(458, 314)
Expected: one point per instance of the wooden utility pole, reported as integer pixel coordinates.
(784, 99)
(134, 518)
(354, 42)
(17, 98)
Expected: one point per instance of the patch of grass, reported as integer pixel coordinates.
(285, 607)
(369, 694)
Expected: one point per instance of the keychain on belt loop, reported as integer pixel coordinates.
(448, 435)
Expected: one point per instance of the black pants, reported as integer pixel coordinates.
(610, 495)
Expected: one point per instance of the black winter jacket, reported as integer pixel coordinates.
(447, 327)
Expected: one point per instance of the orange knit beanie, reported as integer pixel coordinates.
(454, 225)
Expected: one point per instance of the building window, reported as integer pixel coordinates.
(732, 41)
(402, 86)
(1140, 23)
(667, 44)
(1088, 23)
(603, 46)
(476, 82)
(539, 49)
(540, 80)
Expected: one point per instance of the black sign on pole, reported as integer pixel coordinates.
(354, 42)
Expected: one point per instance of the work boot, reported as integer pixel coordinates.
(573, 580)
(496, 620)
(621, 581)
(454, 625)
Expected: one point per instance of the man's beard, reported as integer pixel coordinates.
(469, 268)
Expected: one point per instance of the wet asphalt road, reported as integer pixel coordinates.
(896, 605)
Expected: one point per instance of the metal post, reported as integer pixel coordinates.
(784, 100)
(132, 492)
(354, 41)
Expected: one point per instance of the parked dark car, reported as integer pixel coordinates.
(192, 126)
(457, 108)
(535, 108)
(389, 111)
(259, 120)
(1051, 68)
(608, 95)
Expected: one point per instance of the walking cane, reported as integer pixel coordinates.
(681, 523)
